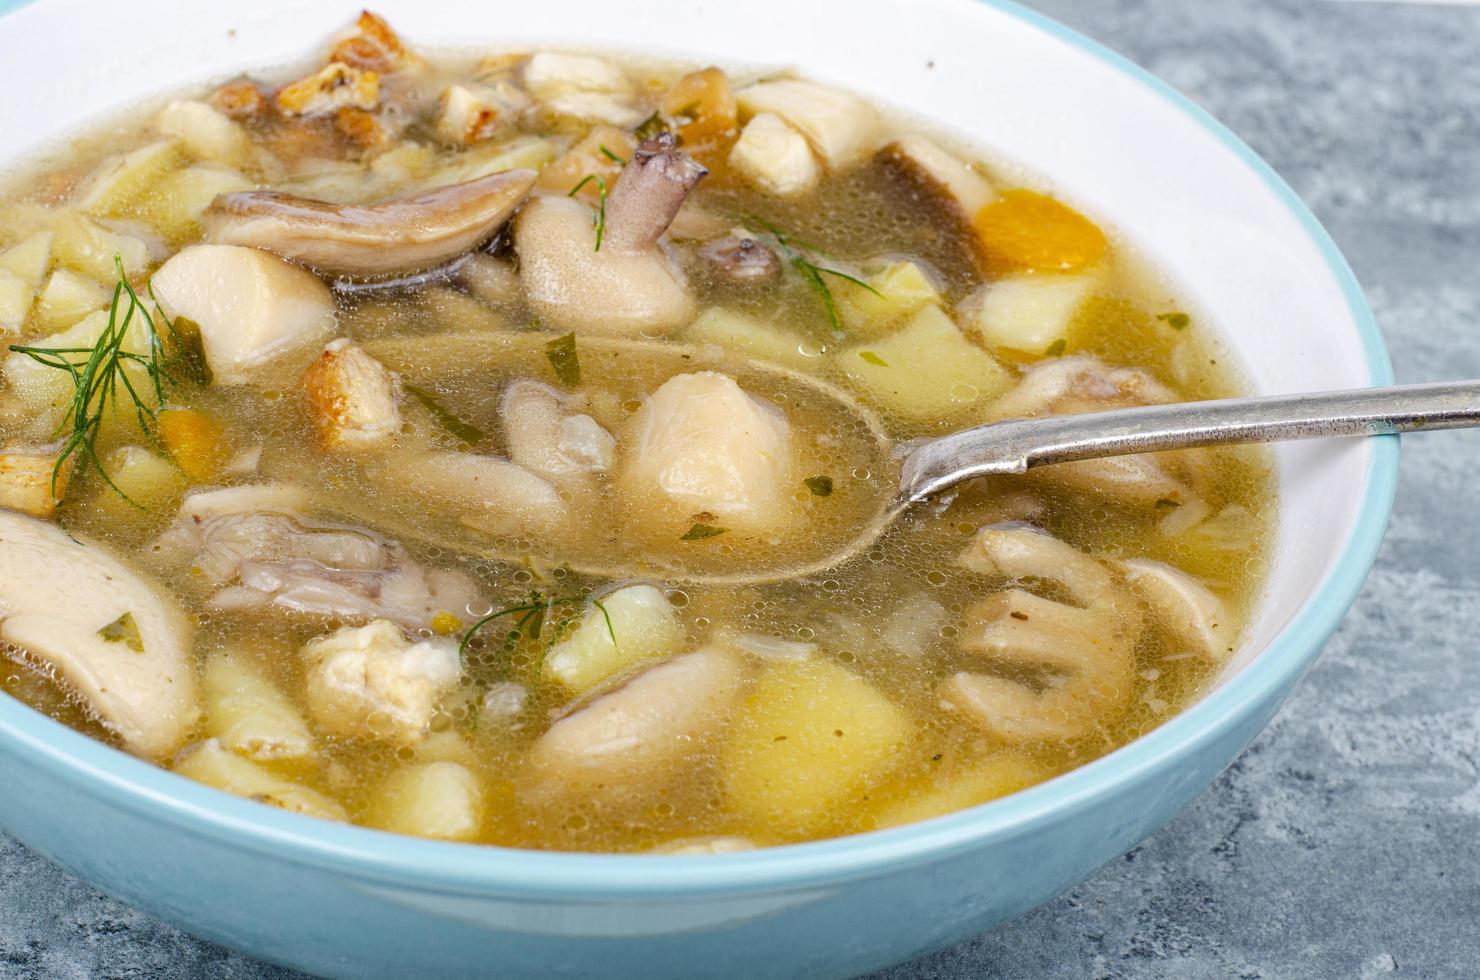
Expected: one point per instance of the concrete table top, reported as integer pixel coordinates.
(1346, 841)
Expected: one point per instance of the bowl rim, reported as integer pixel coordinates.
(144, 789)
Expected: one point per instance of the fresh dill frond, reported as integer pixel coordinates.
(600, 203)
(459, 428)
(797, 256)
(99, 372)
(533, 615)
(607, 152)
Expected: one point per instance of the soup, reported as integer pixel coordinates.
(456, 445)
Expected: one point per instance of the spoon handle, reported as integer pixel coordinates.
(1017, 445)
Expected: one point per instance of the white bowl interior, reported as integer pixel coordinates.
(1143, 165)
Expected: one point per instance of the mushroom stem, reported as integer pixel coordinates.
(651, 189)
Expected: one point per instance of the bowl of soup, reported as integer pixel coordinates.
(433, 447)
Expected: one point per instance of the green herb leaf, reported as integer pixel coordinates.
(649, 127)
(795, 253)
(123, 630)
(600, 203)
(1165, 503)
(1056, 348)
(821, 486)
(97, 373)
(1177, 321)
(873, 358)
(465, 432)
(532, 618)
(565, 360)
(701, 531)
(607, 152)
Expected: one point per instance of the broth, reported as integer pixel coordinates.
(453, 574)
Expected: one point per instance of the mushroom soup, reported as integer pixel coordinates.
(426, 441)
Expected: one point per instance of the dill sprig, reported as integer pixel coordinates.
(600, 203)
(796, 254)
(100, 372)
(532, 616)
(611, 155)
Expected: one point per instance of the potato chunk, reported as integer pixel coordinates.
(702, 444)
(840, 126)
(121, 180)
(1028, 314)
(442, 800)
(207, 131)
(66, 298)
(89, 247)
(927, 369)
(372, 681)
(211, 764)
(645, 626)
(248, 714)
(901, 289)
(962, 786)
(186, 194)
(774, 156)
(15, 302)
(745, 335)
(30, 258)
(254, 310)
(811, 736)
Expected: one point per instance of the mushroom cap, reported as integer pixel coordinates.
(573, 286)
(401, 235)
(64, 603)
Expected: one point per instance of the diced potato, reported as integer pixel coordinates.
(1024, 231)
(774, 156)
(442, 800)
(15, 302)
(475, 113)
(88, 247)
(927, 369)
(26, 480)
(195, 441)
(586, 158)
(146, 478)
(248, 714)
(332, 87)
(211, 764)
(120, 180)
(811, 737)
(1028, 314)
(185, 194)
(29, 259)
(904, 289)
(997, 775)
(646, 627)
(737, 332)
(66, 298)
(840, 126)
(552, 73)
(207, 131)
(594, 107)
(20, 219)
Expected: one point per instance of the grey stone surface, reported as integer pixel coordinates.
(1346, 841)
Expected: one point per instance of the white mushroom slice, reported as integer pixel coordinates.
(643, 728)
(1182, 604)
(1018, 552)
(551, 73)
(840, 126)
(112, 635)
(355, 400)
(26, 482)
(401, 235)
(255, 311)
(492, 494)
(335, 86)
(549, 439)
(371, 681)
(278, 498)
(774, 156)
(207, 131)
(474, 113)
(627, 285)
(1063, 385)
(704, 845)
(930, 169)
(702, 444)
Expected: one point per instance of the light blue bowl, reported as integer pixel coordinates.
(345, 901)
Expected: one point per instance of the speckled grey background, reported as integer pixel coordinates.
(1346, 841)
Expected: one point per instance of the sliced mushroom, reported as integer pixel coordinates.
(936, 177)
(1182, 604)
(397, 236)
(548, 437)
(645, 727)
(111, 634)
(702, 444)
(1019, 551)
(840, 126)
(256, 313)
(740, 259)
(627, 285)
(488, 493)
(26, 482)
(355, 400)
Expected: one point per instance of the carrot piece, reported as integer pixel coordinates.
(194, 440)
(1024, 231)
